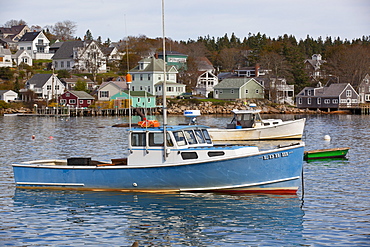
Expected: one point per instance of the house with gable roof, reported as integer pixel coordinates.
(5, 57)
(82, 56)
(13, 33)
(148, 76)
(332, 97)
(44, 87)
(206, 80)
(239, 88)
(64, 56)
(364, 90)
(76, 99)
(313, 66)
(109, 88)
(8, 95)
(36, 44)
(21, 56)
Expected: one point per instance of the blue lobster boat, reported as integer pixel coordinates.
(172, 159)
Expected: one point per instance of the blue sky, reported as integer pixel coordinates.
(190, 19)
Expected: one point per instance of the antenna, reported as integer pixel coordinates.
(164, 88)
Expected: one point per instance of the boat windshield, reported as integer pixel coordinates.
(179, 137)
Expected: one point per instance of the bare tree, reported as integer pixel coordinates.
(14, 23)
(64, 30)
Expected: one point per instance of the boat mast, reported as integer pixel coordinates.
(164, 88)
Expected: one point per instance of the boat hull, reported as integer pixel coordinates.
(277, 171)
(287, 130)
(333, 153)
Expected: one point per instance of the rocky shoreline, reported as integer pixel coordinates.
(177, 107)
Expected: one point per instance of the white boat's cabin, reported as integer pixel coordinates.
(245, 119)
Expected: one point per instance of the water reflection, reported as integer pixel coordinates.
(153, 219)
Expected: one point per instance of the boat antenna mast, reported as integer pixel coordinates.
(128, 83)
(164, 88)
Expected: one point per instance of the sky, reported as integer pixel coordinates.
(190, 19)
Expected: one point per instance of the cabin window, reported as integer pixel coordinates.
(180, 138)
(189, 155)
(189, 134)
(216, 153)
(206, 136)
(156, 139)
(199, 136)
(138, 139)
(266, 124)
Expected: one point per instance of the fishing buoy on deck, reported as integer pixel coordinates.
(327, 137)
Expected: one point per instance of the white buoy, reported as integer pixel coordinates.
(327, 137)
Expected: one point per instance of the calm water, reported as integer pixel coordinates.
(334, 211)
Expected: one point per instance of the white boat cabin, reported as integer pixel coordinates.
(250, 119)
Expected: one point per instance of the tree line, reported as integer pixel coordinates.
(347, 60)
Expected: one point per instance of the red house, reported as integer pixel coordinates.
(76, 99)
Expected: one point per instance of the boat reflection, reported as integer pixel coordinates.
(160, 219)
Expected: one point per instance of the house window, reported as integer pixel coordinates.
(149, 77)
(133, 77)
(309, 101)
(246, 91)
(138, 100)
(232, 91)
(348, 93)
(148, 100)
(319, 101)
(56, 64)
(221, 92)
(257, 91)
(133, 88)
(29, 48)
(308, 92)
(300, 101)
(81, 101)
(170, 89)
(68, 64)
(159, 77)
(68, 95)
(141, 77)
(62, 64)
(72, 101)
(149, 89)
(63, 101)
(104, 94)
(335, 101)
(89, 102)
(141, 88)
(367, 97)
(216, 92)
(48, 87)
(327, 101)
(56, 87)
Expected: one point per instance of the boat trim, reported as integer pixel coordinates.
(242, 185)
(50, 184)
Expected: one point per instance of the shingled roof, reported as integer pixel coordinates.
(39, 80)
(30, 36)
(66, 49)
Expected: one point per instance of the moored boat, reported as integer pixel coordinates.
(248, 125)
(186, 161)
(331, 153)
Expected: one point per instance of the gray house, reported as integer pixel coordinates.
(364, 90)
(239, 88)
(333, 97)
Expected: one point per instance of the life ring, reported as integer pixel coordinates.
(148, 123)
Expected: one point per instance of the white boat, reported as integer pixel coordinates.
(248, 125)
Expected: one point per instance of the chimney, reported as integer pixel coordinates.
(256, 70)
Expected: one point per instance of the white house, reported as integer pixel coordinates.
(8, 95)
(36, 44)
(5, 57)
(45, 86)
(207, 79)
(83, 56)
(148, 76)
(21, 56)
